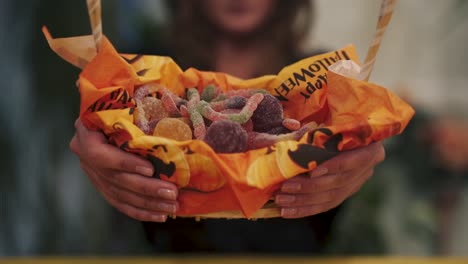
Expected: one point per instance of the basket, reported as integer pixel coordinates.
(249, 179)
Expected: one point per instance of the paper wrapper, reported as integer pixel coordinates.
(354, 113)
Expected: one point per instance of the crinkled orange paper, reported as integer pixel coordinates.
(355, 113)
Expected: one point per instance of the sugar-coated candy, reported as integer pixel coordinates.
(260, 140)
(152, 124)
(220, 97)
(248, 126)
(173, 128)
(230, 122)
(147, 108)
(186, 120)
(169, 104)
(209, 93)
(140, 120)
(142, 91)
(147, 113)
(278, 130)
(236, 102)
(225, 136)
(243, 116)
(269, 114)
(177, 99)
(198, 122)
(184, 111)
(291, 124)
(153, 108)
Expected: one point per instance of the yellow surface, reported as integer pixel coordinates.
(229, 260)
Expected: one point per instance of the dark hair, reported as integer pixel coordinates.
(190, 35)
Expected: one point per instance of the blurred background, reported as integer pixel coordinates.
(416, 203)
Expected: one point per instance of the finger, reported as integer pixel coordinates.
(142, 185)
(100, 153)
(297, 212)
(139, 214)
(92, 176)
(84, 134)
(299, 200)
(333, 195)
(359, 184)
(143, 202)
(131, 211)
(352, 159)
(354, 190)
(78, 123)
(305, 184)
(74, 145)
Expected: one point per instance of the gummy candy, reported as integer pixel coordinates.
(291, 124)
(173, 128)
(169, 104)
(148, 111)
(243, 116)
(225, 136)
(141, 92)
(229, 122)
(260, 140)
(248, 126)
(199, 129)
(278, 130)
(153, 108)
(140, 120)
(177, 100)
(186, 120)
(269, 114)
(184, 111)
(209, 93)
(236, 102)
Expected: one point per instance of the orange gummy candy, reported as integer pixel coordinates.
(173, 128)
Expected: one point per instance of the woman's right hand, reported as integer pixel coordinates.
(123, 179)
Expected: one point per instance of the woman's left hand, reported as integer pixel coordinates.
(328, 185)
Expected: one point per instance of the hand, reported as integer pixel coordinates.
(328, 185)
(123, 179)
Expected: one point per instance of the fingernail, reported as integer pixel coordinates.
(285, 199)
(158, 218)
(167, 207)
(288, 211)
(167, 194)
(146, 171)
(291, 187)
(319, 172)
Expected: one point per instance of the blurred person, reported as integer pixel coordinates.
(244, 38)
(449, 139)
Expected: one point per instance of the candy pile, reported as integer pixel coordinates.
(230, 122)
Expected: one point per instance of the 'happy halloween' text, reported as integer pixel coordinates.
(314, 76)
